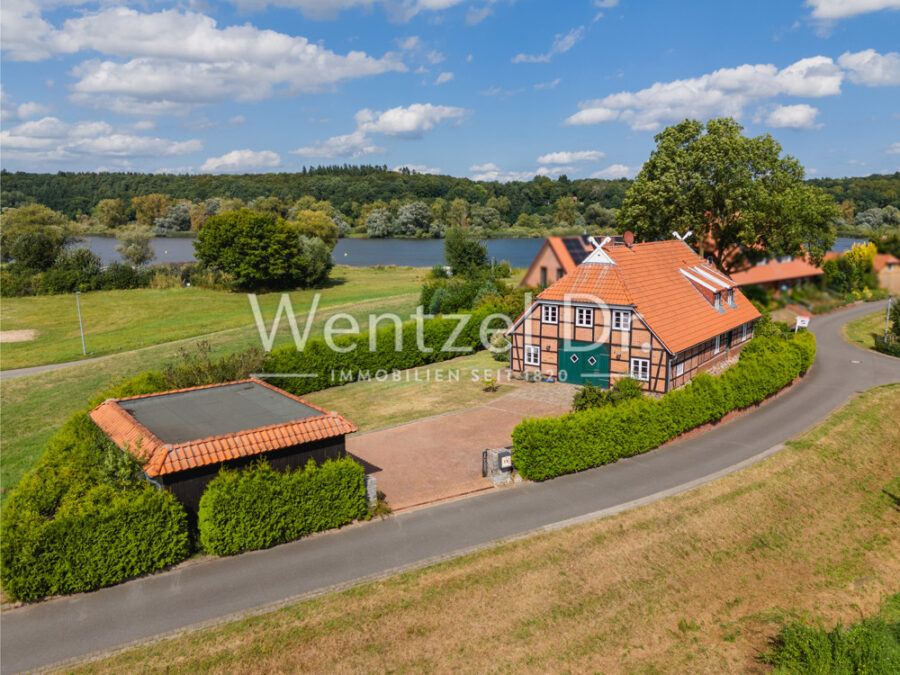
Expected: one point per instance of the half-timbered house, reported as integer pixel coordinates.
(656, 312)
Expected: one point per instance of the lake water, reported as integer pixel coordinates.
(353, 252)
(369, 252)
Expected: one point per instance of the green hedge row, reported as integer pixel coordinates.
(71, 526)
(552, 446)
(260, 507)
(329, 365)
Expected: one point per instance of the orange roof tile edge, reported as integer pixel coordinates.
(163, 458)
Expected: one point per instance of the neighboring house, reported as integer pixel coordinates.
(887, 267)
(557, 257)
(778, 273)
(656, 312)
(185, 436)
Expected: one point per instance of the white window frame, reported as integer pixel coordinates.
(584, 312)
(532, 351)
(743, 332)
(640, 369)
(679, 369)
(621, 319)
(717, 297)
(718, 347)
(548, 311)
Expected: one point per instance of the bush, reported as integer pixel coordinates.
(596, 397)
(260, 507)
(592, 436)
(871, 647)
(77, 521)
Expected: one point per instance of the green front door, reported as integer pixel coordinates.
(584, 363)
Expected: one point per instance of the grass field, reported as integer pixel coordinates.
(116, 321)
(35, 407)
(862, 331)
(375, 405)
(694, 583)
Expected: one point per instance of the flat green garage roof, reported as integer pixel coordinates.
(183, 416)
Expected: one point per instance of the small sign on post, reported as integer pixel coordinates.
(802, 322)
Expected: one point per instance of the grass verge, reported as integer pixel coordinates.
(117, 321)
(862, 331)
(694, 583)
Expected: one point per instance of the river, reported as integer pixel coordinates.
(369, 252)
(353, 252)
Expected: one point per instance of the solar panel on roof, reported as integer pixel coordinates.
(575, 248)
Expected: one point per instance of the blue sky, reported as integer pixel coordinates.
(491, 89)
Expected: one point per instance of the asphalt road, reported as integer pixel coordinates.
(38, 635)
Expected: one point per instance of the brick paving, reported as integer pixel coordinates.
(439, 458)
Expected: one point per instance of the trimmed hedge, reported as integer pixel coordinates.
(68, 527)
(552, 446)
(317, 357)
(260, 507)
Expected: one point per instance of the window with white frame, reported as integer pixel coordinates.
(679, 369)
(718, 344)
(621, 320)
(532, 355)
(640, 369)
(584, 317)
(743, 332)
(549, 314)
(716, 298)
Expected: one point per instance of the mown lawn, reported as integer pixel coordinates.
(35, 407)
(116, 321)
(862, 331)
(419, 392)
(695, 583)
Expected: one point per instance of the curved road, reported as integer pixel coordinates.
(50, 632)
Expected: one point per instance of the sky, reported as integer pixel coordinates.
(489, 89)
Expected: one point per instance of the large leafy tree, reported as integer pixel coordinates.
(261, 250)
(44, 233)
(464, 253)
(739, 196)
(134, 244)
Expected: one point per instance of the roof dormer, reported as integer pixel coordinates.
(598, 256)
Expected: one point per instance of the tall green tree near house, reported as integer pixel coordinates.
(739, 196)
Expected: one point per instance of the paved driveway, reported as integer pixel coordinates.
(439, 458)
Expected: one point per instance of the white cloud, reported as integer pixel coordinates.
(180, 58)
(242, 160)
(11, 112)
(409, 44)
(799, 116)
(570, 157)
(841, 9)
(411, 121)
(724, 92)
(871, 68)
(492, 172)
(476, 15)
(418, 168)
(548, 85)
(603, 4)
(398, 11)
(51, 139)
(443, 77)
(469, 58)
(561, 45)
(616, 171)
(893, 149)
(352, 145)
(434, 57)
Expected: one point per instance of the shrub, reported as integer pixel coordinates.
(596, 397)
(77, 521)
(592, 436)
(871, 647)
(260, 507)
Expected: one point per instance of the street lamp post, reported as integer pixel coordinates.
(80, 324)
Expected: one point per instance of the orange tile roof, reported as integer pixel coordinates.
(649, 278)
(882, 260)
(774, 271)
(165, 458)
